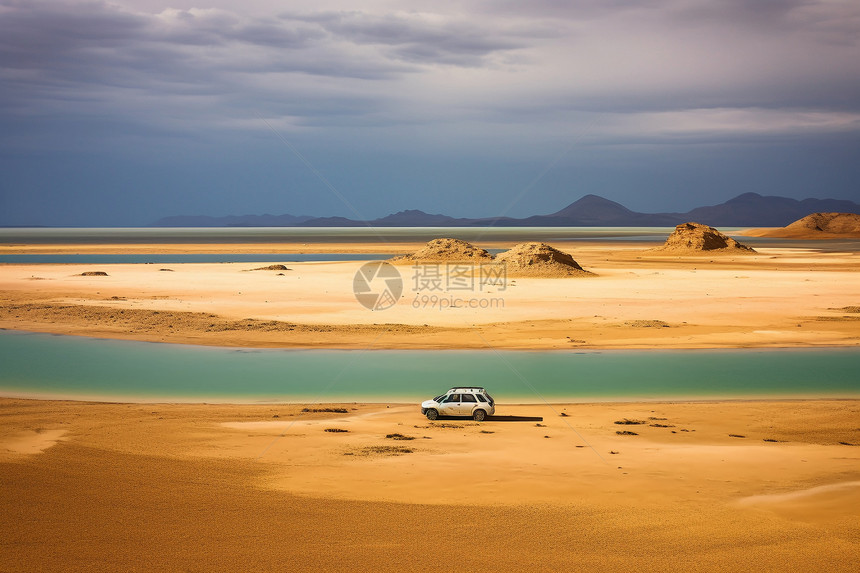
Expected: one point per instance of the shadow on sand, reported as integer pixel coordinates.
(515, 418)
(497, 418)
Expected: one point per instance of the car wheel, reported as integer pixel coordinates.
(479, 415)
(432, 414)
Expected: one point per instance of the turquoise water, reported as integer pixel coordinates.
(78, 367)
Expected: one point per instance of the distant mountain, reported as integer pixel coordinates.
(594, 207)
(232, 221)
(747, 210)
(595, 211)
(415, 218)
(754, 210)
(332, 222)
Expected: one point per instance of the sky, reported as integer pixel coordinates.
(120, 113)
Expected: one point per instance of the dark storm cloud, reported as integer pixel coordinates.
(71, 58)
(54, 35)
(418, 38)
(543, 61)
(483, 86)
(111, 66)
(97, 43)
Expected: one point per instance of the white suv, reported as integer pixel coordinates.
(460, 401)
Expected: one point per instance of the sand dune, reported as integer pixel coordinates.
(539, 260)
(446, 250)
(695, 238)
(815, 226)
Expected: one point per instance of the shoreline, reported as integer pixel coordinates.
(400, 402)
(394, 248)
(196, 339)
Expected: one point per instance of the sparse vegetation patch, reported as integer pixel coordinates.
(626, 422)
(384, 451)
(332, 410)
(272, 268)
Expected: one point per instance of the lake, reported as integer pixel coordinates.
(53, 366)
(311, 236)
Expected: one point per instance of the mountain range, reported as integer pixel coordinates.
(747, 210)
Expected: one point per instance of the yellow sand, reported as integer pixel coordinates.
(260, 488)
(779, 297)
(711, 486)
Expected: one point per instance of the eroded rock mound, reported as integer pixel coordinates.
(446, 250)
(830, 223)
(697, 238)
(815, 226)
(539, 260)
(93, 274)
(272, 268)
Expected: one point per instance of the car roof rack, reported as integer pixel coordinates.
(467, 388)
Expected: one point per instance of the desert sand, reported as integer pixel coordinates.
(681, 486)
(638, 299)
(731, 486)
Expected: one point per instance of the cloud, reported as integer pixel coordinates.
(428, 38)
(717, 124)
(71, 57)
(460, 72)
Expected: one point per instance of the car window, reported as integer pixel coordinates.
(469, 398)
(453, 398)
(480, 398)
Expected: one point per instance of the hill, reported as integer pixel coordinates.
(746, 210)
(695, 238)
(816, 226)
